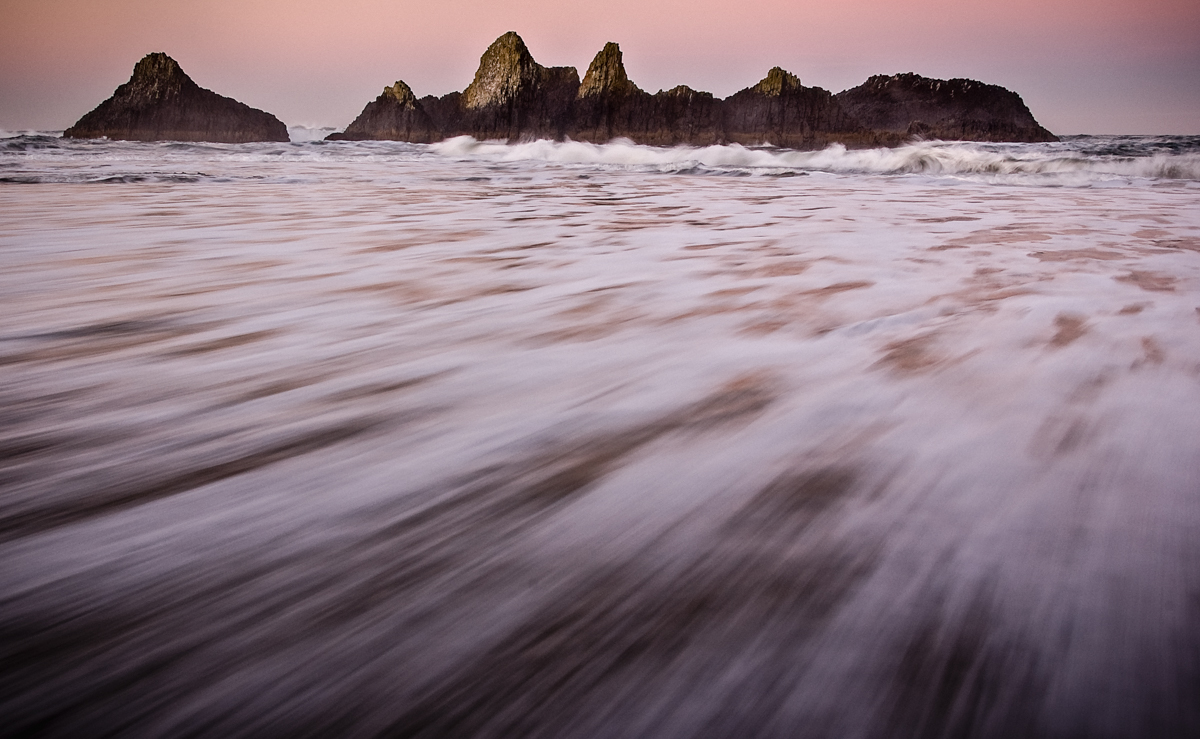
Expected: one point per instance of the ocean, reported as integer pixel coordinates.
(557, 439)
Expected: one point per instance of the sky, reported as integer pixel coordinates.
(1082, 66)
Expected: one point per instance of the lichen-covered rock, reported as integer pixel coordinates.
(606, 75)
(396, 115)
(608, 104)
(514, 97)
(777, 83)
(161, 103)
(955, 109)
(779, 110)
(507, 71)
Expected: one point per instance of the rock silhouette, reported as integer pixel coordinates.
(609, 105)
(957, 109)
(395, 115)
(161, 103)
(513, 97)
(781, 111)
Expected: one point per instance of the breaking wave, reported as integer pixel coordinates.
(1075, 161)
(1078, 161)
(6, 134)
(301, 134)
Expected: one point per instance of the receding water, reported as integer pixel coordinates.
(375, 439)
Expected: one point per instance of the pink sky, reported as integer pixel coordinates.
(1082, 66)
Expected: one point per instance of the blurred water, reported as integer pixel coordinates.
(1076, 161)
(407, 441)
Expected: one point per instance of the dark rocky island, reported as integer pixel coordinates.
(161, 103)
(395, 115)
(956, 109)
(781, 111)
(609, 105)
(513, 97)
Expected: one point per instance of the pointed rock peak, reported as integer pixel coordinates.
(777, 82)
(158, 75)
(606, 73)
(157, 66)
(505, 69)
(401, 93)
(511, 44)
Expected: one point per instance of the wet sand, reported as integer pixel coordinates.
(489, 449)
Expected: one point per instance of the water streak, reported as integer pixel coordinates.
(556, 440)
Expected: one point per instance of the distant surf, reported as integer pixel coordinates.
(555, 439)
(1076, 161)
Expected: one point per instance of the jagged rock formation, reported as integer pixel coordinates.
(396, 115)
(781, 111)
(606, 74)
(685, 116)
(506, 73)
(513, 97)
(607, 104)
(161, 103)
(610, 105)
(956, 109)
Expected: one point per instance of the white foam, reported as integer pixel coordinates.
(7, 134)
(1075, 162)
(300, 134)
(1013, 163)
(386, 405)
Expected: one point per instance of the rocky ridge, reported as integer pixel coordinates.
(956, 109)
(395, 115)
(606, 74)
(161, 103)
(608, 104)
(513, 97)
(781, 111)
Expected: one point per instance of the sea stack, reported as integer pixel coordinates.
(161, 103)
(782, 112)
(514, 97)
(396, 115)
(607, 103)
(955, 109)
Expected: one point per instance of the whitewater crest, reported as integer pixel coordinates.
(1050, 164)
(472, 440)
(1082, 161)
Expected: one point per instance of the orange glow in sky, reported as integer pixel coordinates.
(1082, 66)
